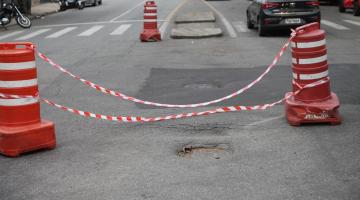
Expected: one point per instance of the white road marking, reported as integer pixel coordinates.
(352, 22)
(94, 23)
(121, 30)
(91, 31)
(240, 27)
(33, 34)
(226, 23)
(257, 123)
(10, 34)
(128, 11)
(61, 32)
(164, 25)
(334, 25)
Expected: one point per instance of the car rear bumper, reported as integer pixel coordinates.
(279, 22)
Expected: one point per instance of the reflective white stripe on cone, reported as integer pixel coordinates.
(303, 45)
(18, 102)
(311, 76)
(18, 84)
(17, 66)
(306, 61)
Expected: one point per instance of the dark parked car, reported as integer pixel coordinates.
(281, 14)
(64, 4)
(93, 2)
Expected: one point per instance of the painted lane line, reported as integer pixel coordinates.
(150, 20)
(33, 34)
(91, 31)
(352, 22)
(334, 25)
(17, 66)
(61, 32)
(128, 11)
(121, 30)
(94, 23)
(10, 34)
(226, 23)
(166, 23)
(240, 27)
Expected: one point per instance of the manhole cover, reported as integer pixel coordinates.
(214, 151)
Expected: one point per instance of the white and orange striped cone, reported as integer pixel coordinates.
(21, 128)
(309, 64)
(151, 32)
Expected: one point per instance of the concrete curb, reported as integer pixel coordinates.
(195, 33)
(195, 17)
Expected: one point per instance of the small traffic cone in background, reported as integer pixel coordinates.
(151, 32)
(21, 128)
(309, 64)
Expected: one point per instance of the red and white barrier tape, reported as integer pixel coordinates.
(132, 119)
(133, 99)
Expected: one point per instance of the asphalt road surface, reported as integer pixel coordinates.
(240, 155)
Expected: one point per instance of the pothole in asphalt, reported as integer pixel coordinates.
(213, 151)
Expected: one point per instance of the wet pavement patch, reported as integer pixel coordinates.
(187, 86)
(213, 151)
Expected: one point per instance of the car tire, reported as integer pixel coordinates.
(341, 6)
(100, 2)
(63, 8)
(250, 25)
(261, 29)
(82, 6)
(356, 11)
(95, 3)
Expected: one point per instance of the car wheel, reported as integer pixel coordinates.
(62, 8)
(95, 3)
(250, 25)
(100, 2)
(261, 30)
(356, 11)
(81, 6)
(341, 6)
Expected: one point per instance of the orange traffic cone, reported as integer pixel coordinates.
(309, 64)
(151, 32)
(21, 128)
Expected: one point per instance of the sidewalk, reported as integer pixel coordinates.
(44, 9)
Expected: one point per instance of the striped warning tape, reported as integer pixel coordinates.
(133, 119)
(133, 99)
